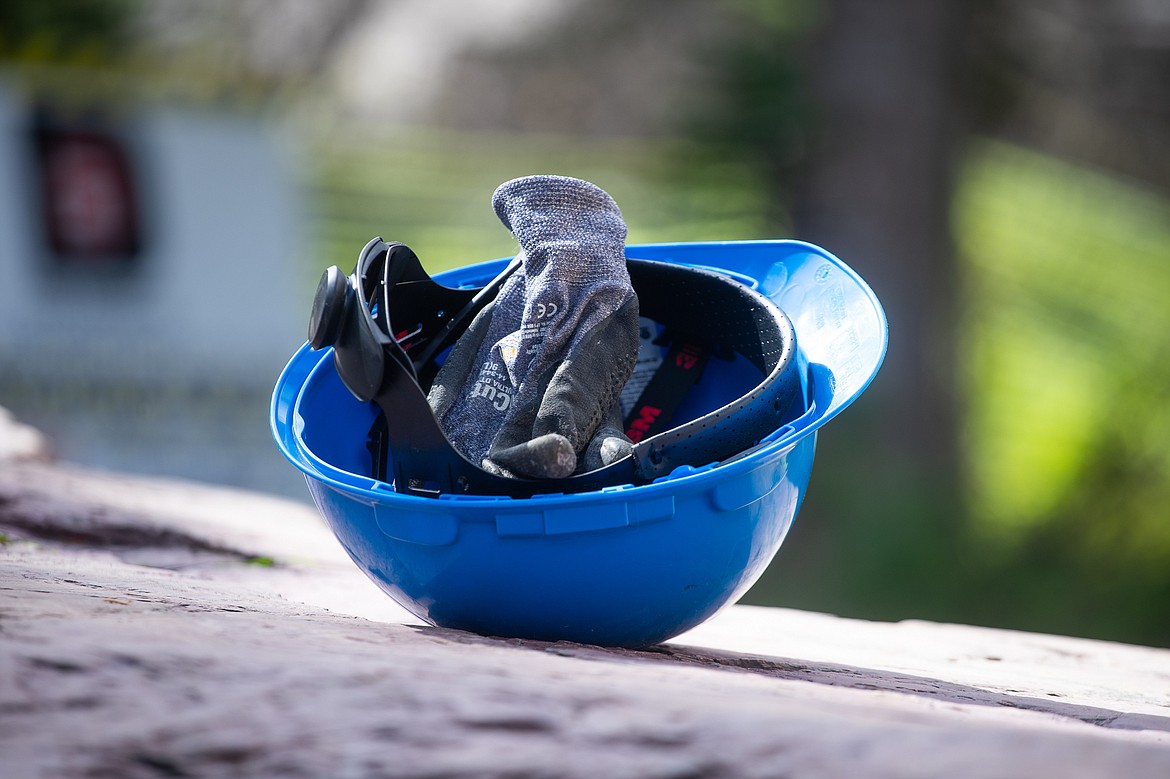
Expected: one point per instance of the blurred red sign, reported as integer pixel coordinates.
(90, 210)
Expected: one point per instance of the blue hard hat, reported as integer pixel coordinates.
(631, 558)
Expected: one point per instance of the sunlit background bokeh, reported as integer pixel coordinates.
(999, 172)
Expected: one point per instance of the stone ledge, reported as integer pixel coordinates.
(154, 628)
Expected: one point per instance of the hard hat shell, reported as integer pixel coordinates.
(620, 566)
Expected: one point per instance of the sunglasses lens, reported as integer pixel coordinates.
(359, 357)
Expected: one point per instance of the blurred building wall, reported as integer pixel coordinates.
(212, 293)
(154, 354)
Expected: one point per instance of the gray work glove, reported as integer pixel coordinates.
(531, 389)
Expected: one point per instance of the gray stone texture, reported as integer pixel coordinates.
(154, 628)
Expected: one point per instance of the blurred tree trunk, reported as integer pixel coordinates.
(875, 188)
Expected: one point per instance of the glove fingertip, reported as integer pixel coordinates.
(614, 448)
(549, 456)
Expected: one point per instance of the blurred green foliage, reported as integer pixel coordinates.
(432, 190)
(77, 30)
(759, 108)
(1066, 338)
(1068, 327)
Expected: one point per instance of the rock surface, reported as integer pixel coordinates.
(155, 628)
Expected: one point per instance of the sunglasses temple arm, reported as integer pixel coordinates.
(473, 306)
